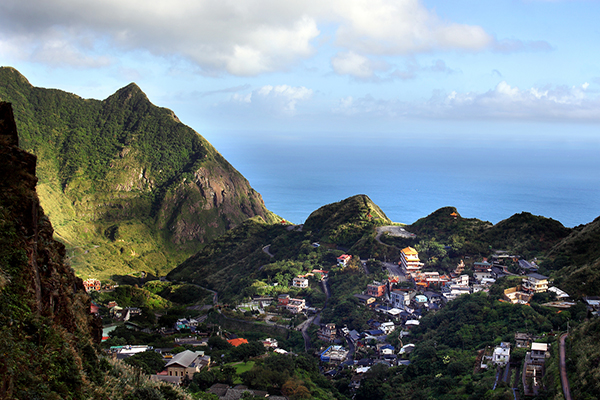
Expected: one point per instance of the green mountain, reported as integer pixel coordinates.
(127, 186)
(526, 234)
(522, 234)
(575, 261)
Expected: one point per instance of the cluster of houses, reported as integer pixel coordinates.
(91, 285)
(94, 285)
(533, 367)
(373, 341)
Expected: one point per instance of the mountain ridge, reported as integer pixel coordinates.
(124, 166)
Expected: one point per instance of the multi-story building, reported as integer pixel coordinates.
(327, 333)
(501, 354)
(535, 283)
(400, 298)
(296, 305)
(409, 259)
(376, 289)
(343, 260)
(91, 284)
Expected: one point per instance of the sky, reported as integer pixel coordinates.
(462, 73)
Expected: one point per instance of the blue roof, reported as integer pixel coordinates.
(375, 332)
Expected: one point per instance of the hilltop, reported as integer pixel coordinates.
(127, 185)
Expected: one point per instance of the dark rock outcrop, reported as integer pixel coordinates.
(46, 330)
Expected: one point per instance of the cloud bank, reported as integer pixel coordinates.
(503, 102)
(242, 38)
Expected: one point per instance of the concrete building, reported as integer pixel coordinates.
(501, 354)
(376, 289)
(300, 282)
(343, 260)
(535, 283)
(187, 363)
(409, 259)
(334, 354)
(327, 333)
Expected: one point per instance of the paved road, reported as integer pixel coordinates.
(395, 270)
(316, 319)
(392, 230)
(266, 249)
(563, 367)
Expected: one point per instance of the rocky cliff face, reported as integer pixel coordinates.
(125, 166)
(46, 329)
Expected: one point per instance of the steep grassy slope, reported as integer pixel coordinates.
(127, 186)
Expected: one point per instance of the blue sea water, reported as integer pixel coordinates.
(486, 180)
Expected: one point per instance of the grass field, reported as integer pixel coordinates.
(241, 367)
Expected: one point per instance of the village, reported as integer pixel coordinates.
(397, 304)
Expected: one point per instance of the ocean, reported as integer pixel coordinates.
(489, 180)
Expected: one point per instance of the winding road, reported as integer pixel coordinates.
(563, 367)
(316, 317)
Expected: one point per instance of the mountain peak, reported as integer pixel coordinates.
(131, 92)
(11, 73)
(350, 213)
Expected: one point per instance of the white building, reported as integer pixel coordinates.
(501, 354)
(387, 327)
(300, 282)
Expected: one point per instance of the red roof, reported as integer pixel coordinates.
(237, 342)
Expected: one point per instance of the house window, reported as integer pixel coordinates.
(170, 373)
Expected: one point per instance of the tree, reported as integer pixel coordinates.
(150, 362)
(204, 379)
(295, 389)
(218, 343)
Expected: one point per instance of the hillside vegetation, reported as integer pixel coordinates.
(239, 263)
(127, 185)
(48, 337)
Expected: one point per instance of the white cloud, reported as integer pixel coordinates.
(402, 27)
(279, 99)
(350, 63)
(503, 102)
(237, 37)
(57, 50)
